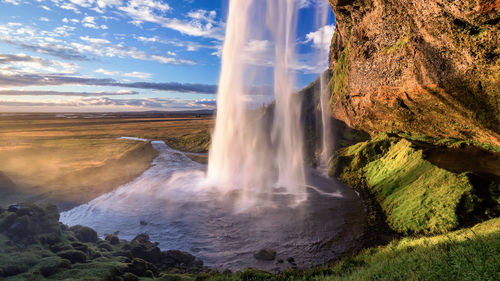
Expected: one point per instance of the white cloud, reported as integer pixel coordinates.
(107, 104)
(14, 2)
(136, 74)
(69, 6)
(65, 20)
(107, 72)
(97, 41)
(188, 45)
(24, 64)
(321, 38)
(46, 42)
(44, 19)
(200, 23)
(45, 8)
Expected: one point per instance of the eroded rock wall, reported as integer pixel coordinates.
(424, 67)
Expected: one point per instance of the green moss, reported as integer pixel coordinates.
(100, 270)
(400, 44)
(415, 195)
(339, 83)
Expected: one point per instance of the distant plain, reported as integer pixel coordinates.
(69, 159)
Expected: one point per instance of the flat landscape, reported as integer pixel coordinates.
(69, 159)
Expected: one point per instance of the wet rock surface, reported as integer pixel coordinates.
(265, 254)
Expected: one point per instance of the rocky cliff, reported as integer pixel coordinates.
(424, 67)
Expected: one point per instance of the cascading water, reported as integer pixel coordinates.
(243, 155)
(327, 141)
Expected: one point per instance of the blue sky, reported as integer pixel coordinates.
(126, 55)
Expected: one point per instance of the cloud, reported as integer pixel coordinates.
(52, 80)
(24, 64)
(47, 42)
(95, 40)
(107, 72)
(57, 93)
(200, 23)
(69, 6)
(188, 45)
(44, 19)
(136, 74)
(13, 2)
(56, 50)
(105, 103)
(89, 22)
(321, 38)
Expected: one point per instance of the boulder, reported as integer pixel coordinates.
(84, 234)
(173, 258)
(74, 256)
(52, 265)
(265, 254)
(140, 267)
(80, 247)
(130, 277)
(112, 239)
(141, 247)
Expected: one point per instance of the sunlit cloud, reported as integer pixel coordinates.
(57, 93)
(7, 80)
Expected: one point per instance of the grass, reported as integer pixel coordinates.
(70, 161)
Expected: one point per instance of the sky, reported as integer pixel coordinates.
(128, 55)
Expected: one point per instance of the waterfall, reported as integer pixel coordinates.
(327, 140)
(251, 151)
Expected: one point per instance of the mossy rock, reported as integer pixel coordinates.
(52, 265)
(84, 234)
(415, 195)
(74, 256)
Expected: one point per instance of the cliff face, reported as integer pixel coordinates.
(425, 67)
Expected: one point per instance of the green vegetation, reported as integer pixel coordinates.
(35, 246)
(197, 141)
(400, 44)
(468, 254)
(339, 83)
(71, 161)
(415, 195)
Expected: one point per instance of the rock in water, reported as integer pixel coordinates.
(265, 254)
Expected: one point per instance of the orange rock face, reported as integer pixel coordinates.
(424, 67)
